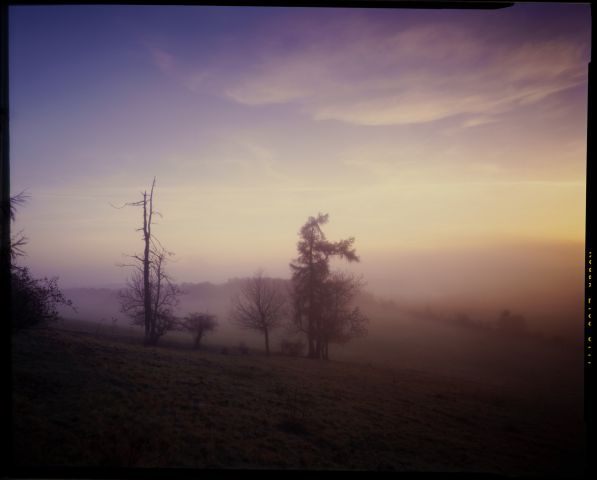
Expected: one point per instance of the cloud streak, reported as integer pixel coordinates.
(423, 74)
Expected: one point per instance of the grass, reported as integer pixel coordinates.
(83, 399)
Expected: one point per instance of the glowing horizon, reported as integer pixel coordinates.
(421, 133)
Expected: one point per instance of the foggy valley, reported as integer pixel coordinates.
(444, 359)
(428, 336)
(296, 238)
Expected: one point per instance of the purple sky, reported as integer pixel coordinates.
(456, 135)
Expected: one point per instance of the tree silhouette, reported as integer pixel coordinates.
(150, 297)
(512, 324)
(340, 320)
(162, 292)
(34, 301)
(198, 324)
(261, 306)
(310, 272)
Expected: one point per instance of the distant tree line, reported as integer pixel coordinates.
(506, 322)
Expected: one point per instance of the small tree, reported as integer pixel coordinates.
(261, 306)
(198, 324)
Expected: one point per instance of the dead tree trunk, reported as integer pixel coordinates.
(143, 296)
(147, 218)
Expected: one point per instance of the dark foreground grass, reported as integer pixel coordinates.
(84, 400)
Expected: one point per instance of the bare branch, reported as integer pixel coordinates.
(17, 244)
(17, 200)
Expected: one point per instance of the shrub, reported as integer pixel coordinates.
(34, 301)
(511, 324)
(293, 348)
(243, 349)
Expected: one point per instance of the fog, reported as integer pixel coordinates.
(542, 282)
(448, 148)
(428, 311)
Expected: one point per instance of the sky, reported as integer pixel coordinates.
(450, 143)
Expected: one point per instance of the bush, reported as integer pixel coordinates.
(511, 324)
(293, 348)
(34, 301)
(243, 349)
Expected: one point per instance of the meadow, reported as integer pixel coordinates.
(89, 398)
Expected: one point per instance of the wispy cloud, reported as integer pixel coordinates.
(162, 59)
(422, 74)
(189, 76)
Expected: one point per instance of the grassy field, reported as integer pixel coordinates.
(85, 399)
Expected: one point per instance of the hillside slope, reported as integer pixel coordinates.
(86, 400)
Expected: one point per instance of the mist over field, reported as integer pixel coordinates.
(498, 327)
(453, 333)
(544, 283)
(421, 377)
(298, 238)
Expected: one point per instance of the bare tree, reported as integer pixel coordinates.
(198, 324)
(150, 297)
(261, 306)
